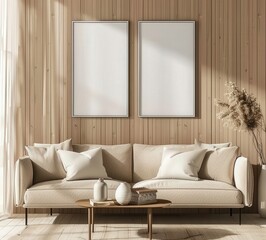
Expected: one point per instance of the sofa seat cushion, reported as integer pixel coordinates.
(62, 193)
(203, 193)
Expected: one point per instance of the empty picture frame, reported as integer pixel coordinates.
(166, 68)
(100, 68)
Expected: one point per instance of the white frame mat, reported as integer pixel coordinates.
(100, 68)
(166, 68)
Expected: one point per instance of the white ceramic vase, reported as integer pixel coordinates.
(262, 192)
(123, 193)
(100, 190)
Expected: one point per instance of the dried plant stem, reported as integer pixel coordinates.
(258, 146)
(263, 125)
(243, 113)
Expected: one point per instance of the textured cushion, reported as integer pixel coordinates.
(181, 165)
(66, 145)
(212, 145)
(117, 159)
(84, 165)
(46, 165)
(202, 193)
(63, 194)
(218, 164)
(147, 159)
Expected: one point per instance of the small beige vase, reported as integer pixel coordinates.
(262, 192)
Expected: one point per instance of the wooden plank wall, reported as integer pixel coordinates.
(230, 45)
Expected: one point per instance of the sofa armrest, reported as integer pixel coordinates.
(23, 178)
(244, 179)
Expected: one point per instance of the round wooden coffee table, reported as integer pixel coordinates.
(161, 203)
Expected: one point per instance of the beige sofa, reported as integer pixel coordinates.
(137, 164)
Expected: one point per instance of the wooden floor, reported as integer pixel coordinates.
(189, 227)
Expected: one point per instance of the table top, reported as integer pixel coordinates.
(161, 203)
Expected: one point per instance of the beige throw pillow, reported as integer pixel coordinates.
(66, 145)
(84, 165)
(46, 165)
(181, 165)
(211, 146)
(218, 164)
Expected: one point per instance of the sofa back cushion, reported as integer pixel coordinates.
(117, 159)
(211, 146)
(147, 159)
(66, 145)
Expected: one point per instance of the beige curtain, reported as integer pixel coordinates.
(8, 77)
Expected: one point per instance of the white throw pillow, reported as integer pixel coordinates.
(170, 150)
(181, 165)
(84, 165)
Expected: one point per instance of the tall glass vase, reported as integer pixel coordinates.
(262, 192)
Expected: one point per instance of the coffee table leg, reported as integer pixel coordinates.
(92, 219)
(89, 222)
(150, 222)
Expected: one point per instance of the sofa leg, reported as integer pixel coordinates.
(240, 216)
(51, 211)
(26, 216)
(231, 212)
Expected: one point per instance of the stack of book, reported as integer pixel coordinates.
(102, 203)
(143, 196)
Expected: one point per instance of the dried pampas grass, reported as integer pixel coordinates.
(243, 113)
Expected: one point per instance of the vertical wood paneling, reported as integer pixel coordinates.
(173, 122)
(238, 54)
(54, 75)
(244, 64)
(230, 45)
(31, 48)
(38, 66)
(67, 65)
(215, 63)
(204, 30)
(45, 74)
(232, 51)
(76, 122)
(27, 72)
